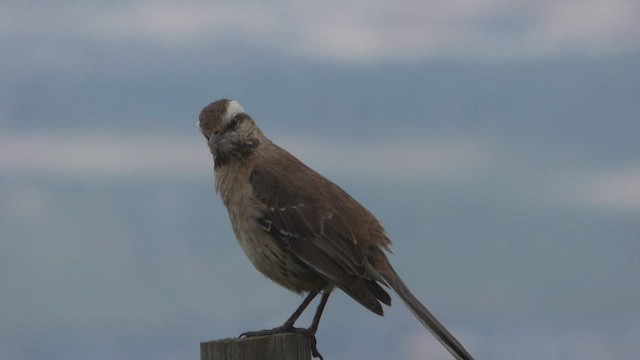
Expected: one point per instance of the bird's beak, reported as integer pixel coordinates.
(214, 136)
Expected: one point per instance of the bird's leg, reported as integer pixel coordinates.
(288, 325)
(296, 314)
(314, 324)
(316, 318)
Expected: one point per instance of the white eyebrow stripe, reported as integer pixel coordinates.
(233, 109)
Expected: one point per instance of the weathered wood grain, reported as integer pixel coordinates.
(273, 347)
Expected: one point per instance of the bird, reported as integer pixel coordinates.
(300, 229)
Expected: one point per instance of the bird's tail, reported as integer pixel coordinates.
(384, 268)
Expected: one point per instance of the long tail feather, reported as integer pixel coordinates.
(420, 311)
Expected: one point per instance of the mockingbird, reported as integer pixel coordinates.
(298, 228)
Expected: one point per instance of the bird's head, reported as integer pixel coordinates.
(230, 132)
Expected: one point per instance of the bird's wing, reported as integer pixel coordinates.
(303, 211)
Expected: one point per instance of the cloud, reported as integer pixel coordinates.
(615, 190)
(110, 155)
(99, 155)
(422, 345)
(363, 31)
(397, 158)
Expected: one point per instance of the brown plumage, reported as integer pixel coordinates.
(300, 229)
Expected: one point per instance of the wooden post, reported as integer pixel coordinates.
(273, 347)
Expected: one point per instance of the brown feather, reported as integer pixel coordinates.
(319, 234)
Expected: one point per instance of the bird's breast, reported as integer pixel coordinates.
(275, 261)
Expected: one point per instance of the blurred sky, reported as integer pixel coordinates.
(496, 140)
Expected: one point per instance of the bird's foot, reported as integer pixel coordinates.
(284, 330)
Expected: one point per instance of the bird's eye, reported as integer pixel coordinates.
(232, 123)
